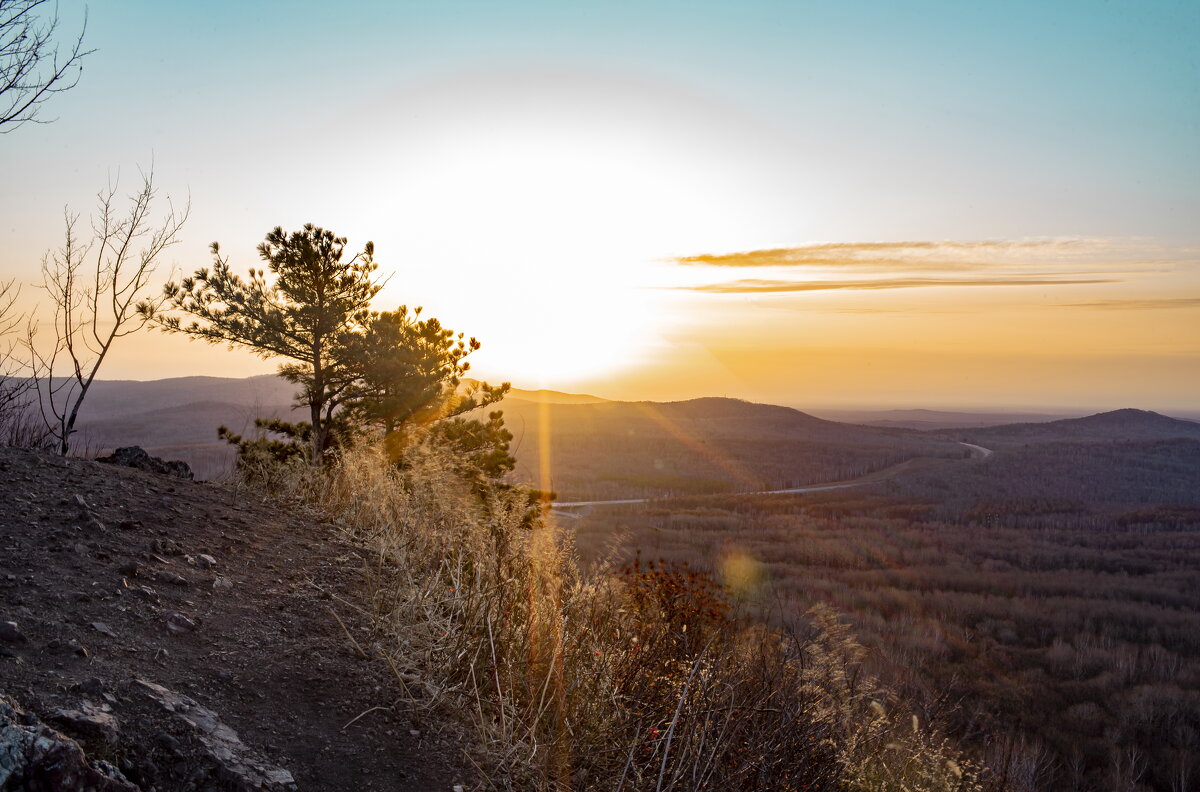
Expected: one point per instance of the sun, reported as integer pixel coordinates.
(535, 214)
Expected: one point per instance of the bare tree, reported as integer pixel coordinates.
(100, 292)
(14, 378)
(32, 67)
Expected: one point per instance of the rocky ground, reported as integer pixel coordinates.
(184, 635)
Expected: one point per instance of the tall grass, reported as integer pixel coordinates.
(625, 680)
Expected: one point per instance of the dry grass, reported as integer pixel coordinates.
(635, 679)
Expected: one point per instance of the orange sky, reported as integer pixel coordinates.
(1049, 323)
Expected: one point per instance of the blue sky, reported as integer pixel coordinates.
(1057, 118)
(542, 143)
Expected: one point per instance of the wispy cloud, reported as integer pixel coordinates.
(883, 256)
(1166, 303)
(865, 266)
(753, 286)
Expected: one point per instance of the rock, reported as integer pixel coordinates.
(240, 766)
(168, 547)
(92, 686)
(34, 756)
(178, 623)
(136, 457)
(103, 629)
(89, 722)
(205, 561)
(10, 634)
(129, 569)
(167, 576)
(222, 583)
(80, 502)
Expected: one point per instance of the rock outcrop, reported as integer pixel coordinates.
(34, 756)
(239, 767)
(137, 457)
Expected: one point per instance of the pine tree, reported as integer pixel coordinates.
(316, 297)
(409, 373)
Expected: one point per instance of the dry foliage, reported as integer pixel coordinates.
(633, 679)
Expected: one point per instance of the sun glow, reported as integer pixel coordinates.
(549, 290)
(536, 214)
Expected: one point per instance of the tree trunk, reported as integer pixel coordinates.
(316, 397)
(318, 433)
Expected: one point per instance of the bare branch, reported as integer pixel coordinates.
(32, 67)
(14, 377)
(109, 300)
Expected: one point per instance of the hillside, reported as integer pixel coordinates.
(1113, 426)
(186, 633)
(543, 395)
(112, 398)
(636, 449)
(178, 417)
(596, 448)
(586, 448)
(1059, 639)
(933, 419)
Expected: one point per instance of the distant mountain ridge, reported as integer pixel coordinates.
(544, 396)
(924, 419)
(109, 398)
(1115, 425)
(597, 448)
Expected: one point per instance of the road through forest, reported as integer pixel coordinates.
(568, 508)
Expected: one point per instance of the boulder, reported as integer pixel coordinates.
(34, 756)
(89, 722)
(136, 457)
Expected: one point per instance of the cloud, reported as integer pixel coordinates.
(877, 266)
(876, 256)
(1138, 305)
(753, 286)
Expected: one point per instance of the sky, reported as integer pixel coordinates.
(875, 204)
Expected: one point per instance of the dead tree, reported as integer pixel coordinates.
(32, 66)
(100, 292)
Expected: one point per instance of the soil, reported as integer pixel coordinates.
(95, 562)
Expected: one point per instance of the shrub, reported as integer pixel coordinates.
(639, 678)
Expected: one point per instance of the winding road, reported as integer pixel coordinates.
(575, 508)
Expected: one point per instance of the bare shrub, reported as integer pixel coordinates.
(20, 424)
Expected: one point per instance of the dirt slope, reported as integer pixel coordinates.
(120, 590)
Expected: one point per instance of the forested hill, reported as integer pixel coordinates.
(593, 449)
(1117, 425)
(639, 449)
